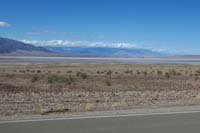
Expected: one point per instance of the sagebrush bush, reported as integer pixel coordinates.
(89, 107)
(60, 79)
(108, 83)
(10, 76)
(197, 72)
(34, 78)
(167, 75)
(172, 72)
(128, 71)
(22, 71)
(38, 71)
(145, 73)
(159, 72)
(78, 74)
(109, 72)
(138, 72)
(84, 75)
(69, 71)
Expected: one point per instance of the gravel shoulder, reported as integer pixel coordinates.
(95, 114)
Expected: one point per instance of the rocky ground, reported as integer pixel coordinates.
(45, 89)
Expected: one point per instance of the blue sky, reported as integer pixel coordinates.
(172, 25)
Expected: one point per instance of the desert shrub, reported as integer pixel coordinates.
(159, 72)
(108, 83)
(60, 79)
(116, 105)
(128, 71)
(60, 108)
(197, 72)
(38, 71)
(22, 71)
(69, 71)
(179, 73)
(145, 73)
(84, 75)
(172, 72)
(34, 78)
(78, 74)
(10, 75)
(52, 79)
(186, 72)
(69, 80)
(167, 75)
(89, 107)
(38, 108)
(138, 72)
(109, 72)
(58, 71)
(198, 98)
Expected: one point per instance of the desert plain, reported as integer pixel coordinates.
(42, 89)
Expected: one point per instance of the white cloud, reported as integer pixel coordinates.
(4, 24)
(67, 43)
(79, 43)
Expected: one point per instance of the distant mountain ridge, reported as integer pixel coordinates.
(10, 47)
(17, 48)
(104, 52)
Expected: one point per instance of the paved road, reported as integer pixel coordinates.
(159, 123)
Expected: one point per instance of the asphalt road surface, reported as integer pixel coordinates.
(152, 123)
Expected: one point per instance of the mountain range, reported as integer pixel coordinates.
(103, 52)
(18, 48)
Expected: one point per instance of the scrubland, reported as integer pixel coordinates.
(43, 89)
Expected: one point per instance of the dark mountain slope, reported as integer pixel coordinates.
(9, 46)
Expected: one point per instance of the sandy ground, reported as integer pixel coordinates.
(64, 89)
